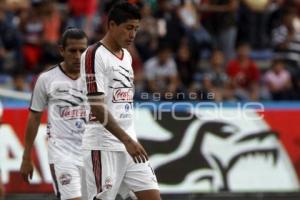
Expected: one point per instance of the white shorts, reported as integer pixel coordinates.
(68, 181)
(107, 172)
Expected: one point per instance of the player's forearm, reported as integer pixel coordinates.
(1, 192)
(31, 132)
(1, 195)
(103, 115)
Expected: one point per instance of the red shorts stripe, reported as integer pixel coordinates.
(52, 170)
(97, 169)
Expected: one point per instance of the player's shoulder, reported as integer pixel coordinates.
(49, 72)
(93, 48)
(91, 51)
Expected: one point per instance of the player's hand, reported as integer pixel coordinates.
(26, 170)
(136, 150)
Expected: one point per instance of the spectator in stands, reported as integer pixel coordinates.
(52, 24)
(220, 22)
(161, 72)
(286, 41)
(170, 27)
(32, 30)
(276, 8)
(82, 14)
(215, 73)
(194, 30)
(244, 74)
(147, 36)
(20, 83)
(186, 65)
(278, 81)
(252, 22)
(10, 44)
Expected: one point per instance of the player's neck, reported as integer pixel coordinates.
(109, 43)
(69, 73)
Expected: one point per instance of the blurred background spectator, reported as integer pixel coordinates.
(221, 22)
(198, 53)
(161, 72)
(244, 74)
(279, 82)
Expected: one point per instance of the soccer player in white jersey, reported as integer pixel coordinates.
(59, 90)
(112, 155)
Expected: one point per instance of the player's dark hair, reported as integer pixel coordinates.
(72, 33)
(122, 12)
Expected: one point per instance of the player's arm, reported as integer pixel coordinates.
(38, 102)
(1, 190)
(33, 123)
(102, 114)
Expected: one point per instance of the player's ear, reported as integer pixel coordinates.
(111, 24)
(61, 50)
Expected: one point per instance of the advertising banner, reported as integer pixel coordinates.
(200, 150)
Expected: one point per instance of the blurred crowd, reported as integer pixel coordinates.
(202, 50)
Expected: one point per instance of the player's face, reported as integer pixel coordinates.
(124, 33)
(72, 52)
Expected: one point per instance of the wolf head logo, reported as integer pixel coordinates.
(213, 153)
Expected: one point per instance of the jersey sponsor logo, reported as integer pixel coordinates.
(65, 178)
(122, 95)
(73, 112)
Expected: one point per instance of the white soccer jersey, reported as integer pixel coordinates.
(67, 113)
(103, 72)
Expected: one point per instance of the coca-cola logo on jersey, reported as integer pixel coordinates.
(73, 112)
(122, 95)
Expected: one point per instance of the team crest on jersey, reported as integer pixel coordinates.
(65, 179)
(127, 107)
(108, 183)
(122, 95)
(79, 124)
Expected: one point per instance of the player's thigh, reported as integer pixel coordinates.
(141, 179)
(66, 180)
(104, 173)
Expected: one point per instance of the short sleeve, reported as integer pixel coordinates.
(100, 76)
(39, 95)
